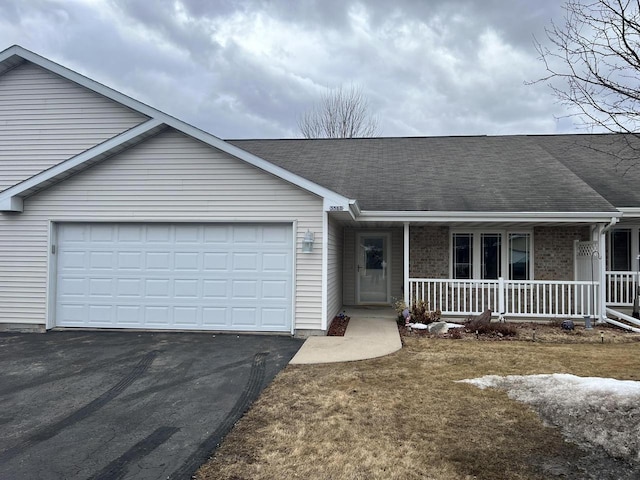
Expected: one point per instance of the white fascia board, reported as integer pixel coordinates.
(11, 196)
(630, 212)
(354, 209)
(173, 122)
(443, 216)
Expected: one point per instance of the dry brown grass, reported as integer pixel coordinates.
(404, 417)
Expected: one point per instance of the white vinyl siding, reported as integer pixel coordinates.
(334, 269)
(169, 178)
(45, 119)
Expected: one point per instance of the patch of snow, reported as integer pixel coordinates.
(424, 326)
(591, 411)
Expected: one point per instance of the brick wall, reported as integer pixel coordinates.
(429, 252)
(553, 251)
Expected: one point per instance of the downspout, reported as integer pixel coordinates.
(406, 265)
(613, 221)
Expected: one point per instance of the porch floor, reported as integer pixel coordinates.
(372, 332)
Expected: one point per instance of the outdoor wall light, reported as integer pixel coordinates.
(307, 242)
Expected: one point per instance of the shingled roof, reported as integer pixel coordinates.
(519, 173)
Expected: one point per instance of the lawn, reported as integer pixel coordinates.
(404, 417)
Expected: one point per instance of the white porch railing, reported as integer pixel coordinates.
(514, 298)
(621, 287)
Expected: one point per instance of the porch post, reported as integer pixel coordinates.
(602, 237)
(501, 298)
(406, 264)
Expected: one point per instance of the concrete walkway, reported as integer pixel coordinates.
(372, 332)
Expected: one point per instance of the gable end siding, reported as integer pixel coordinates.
(169, 178)
(45, 119)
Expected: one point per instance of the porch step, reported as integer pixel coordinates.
(622, 320)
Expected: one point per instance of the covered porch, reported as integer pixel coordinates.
(529, 269)
(533, 271)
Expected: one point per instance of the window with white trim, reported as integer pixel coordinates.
(489, 255)
(622, 243)
(462, 255)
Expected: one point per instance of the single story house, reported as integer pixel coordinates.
(116, 215)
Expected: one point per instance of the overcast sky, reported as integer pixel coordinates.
(248, 69)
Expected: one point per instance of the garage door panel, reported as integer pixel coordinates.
(72, 287)
(185, 316)
(74, 233)
(72, 314)
(158, 261)
(186, 289)
(216, 234)
(245, 262)
(155, 288)
(157, 316)
(215, 317)
(275, 262)
(275, 236)
(274, 317)
(274, 290)
(244, 316)
(245, 234)
(215, 289)
(128, 287)
(101, 233)
(129, 260)
(158, 234)
(216, 261)
(235, 277)
(72, 260)
(187, 261)
(100, 315)
(101, 287)
(129, 233)
(101, 260)
(244, 290)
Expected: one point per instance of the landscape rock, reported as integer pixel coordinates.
(438, 328)
(482, 319)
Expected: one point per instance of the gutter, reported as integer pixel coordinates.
(444, 216)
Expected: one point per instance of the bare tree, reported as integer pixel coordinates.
(340, 113)
(593, 62)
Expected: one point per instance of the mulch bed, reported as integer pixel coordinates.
(338, 326)
(537, 332)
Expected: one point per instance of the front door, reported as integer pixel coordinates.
(372, 267)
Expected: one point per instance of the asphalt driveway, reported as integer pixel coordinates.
(111, 405)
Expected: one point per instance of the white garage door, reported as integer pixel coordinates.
(174, 276)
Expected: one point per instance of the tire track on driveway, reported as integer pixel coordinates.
(246, 398)
(118, 468)
(52, 430)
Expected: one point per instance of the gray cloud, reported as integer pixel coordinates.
(250, 68)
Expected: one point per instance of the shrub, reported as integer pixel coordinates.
(420, 313)
(497, 330)
(456, 333)
(400, 307)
